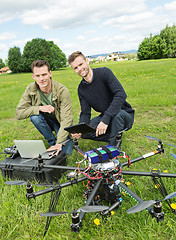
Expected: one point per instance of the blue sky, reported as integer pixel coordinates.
(91, 26)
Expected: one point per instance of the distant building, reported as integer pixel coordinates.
(91, 59)
(5, 70)
(100, 58)
(116, 56)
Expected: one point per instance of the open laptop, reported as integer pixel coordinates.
(31, 149)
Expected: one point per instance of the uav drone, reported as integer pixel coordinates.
(104, 174)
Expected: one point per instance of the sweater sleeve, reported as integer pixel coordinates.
(85, 114)
(119, 96)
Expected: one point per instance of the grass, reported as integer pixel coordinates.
(151, 90)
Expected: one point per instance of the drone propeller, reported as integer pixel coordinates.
(18, 182)
(173, 155)
(145, 204)
(156, 139)
(85, 209)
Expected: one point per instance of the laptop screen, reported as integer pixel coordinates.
(30, 148)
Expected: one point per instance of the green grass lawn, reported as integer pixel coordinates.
(151, 89)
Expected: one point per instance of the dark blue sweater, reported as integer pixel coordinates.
(104, 94)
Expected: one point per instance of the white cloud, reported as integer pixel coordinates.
(3, 50)
(3, 47)
(90, 31)
(145, 22)
(170, 6)
(7, 35)
(5, 17)
(81, 37)
(93, 26)
(66, 14)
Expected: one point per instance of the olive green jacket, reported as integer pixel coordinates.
(30, 103)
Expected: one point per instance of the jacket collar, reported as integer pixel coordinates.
(35, 88)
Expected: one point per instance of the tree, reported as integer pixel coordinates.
(6, 62)
(159, 46)
(2, 64)
(33, 50)
(143, 50)
(45, 50)
(57, 58)
(14, 59)
(155, 47)
(168, 36)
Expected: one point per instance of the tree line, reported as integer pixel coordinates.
(159, 46)
(36, 49)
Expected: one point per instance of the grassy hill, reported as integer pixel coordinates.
(151, 90)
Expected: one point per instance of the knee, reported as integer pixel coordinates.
(36, 119)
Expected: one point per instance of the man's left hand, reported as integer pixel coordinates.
(101, 129)
(57, 147)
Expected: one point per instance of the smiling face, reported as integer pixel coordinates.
(81, 67)
(42, 77)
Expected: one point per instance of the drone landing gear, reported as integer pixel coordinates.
(160, 186)
(53, 202)
(75, 226)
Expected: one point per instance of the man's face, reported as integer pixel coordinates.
(42, 76)
(81, 66)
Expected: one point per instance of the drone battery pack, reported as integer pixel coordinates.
(101, 154)
(28, 169)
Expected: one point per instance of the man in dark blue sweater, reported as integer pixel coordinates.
(100, 90)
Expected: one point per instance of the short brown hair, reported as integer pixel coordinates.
(40, 63)
(74, 55)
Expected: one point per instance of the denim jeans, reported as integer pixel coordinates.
(46, 126)
(121, 121)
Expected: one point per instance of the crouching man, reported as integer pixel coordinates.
(100, 90)
(48, 104)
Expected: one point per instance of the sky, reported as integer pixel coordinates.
(90, 26)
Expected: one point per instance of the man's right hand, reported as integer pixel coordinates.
(46, 108)
(76, 135)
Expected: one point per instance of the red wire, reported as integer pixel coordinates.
(95, 178)
(92, 178)
(126, 156)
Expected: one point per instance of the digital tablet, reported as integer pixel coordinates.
(80, 128)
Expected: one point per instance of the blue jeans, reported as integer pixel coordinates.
(121, 121)
(46, 126)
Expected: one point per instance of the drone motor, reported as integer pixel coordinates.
(157, 211)
(75, 221)
(12, 150)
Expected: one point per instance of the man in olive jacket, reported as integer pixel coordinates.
(48, 104)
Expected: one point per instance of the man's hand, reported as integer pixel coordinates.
(101, 129)
(57, 147)
(76, 135)
(46, 108)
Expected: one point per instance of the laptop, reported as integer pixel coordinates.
(31, 149)
(80, 128)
